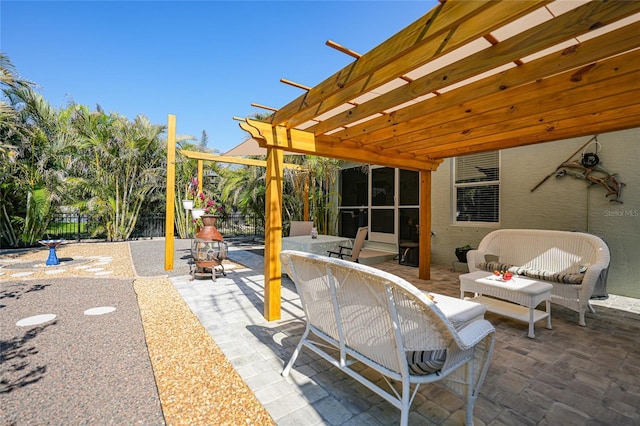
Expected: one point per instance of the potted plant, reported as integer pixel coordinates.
(461, 253)
(190, 194)
(206, 208)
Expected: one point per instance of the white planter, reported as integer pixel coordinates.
(196, 213)
(187, 204)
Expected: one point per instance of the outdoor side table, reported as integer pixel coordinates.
(516, 298)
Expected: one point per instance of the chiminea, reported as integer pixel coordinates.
(208, 250)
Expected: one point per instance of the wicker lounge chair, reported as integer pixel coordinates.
(384, 322)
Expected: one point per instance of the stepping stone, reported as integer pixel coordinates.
(35, 320)
(100, 310)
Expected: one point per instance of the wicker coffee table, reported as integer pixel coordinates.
(516, 298)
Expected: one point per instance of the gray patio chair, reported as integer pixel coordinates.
(352, 253)
(300, 228)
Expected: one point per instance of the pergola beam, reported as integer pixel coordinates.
(195, 155)
(294, 84)
(343, 49)
(305, 143)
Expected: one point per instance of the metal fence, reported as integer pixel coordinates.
(238, 225)
(73, 226)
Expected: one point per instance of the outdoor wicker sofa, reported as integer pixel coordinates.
(358, 314)
(575, 263)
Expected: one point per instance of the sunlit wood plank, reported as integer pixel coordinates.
(607, 45)
(609, 119)
(547, 34)
(306, 143)
(171, 193)
(195, 155)
(424, 271)
(273, 235)
(428, 37)
(463, 117)
(537, 103)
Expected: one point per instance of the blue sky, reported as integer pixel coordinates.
(204, 61)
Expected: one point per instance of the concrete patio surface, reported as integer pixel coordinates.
(569, 375)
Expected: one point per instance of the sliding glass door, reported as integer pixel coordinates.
(383, 199)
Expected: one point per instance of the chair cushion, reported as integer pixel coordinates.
(556, 277)
(426, 362)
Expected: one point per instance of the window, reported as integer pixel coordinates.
(354, 209)
(409, 188)
(476, 186)
(353, 186)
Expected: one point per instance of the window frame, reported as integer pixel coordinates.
(484, 183)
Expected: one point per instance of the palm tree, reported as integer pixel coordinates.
(12, 134)
(37, 182)
(243, 188)
(122, 164)
(9, 79)
(323, 200)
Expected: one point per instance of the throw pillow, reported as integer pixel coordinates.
(426, 362)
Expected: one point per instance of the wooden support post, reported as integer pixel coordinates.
(200, 168)
(273, 235)
(424, 272)
(171, 193)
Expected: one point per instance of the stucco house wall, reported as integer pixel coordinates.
(565, 203)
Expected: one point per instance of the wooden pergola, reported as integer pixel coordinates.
(467, 77)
